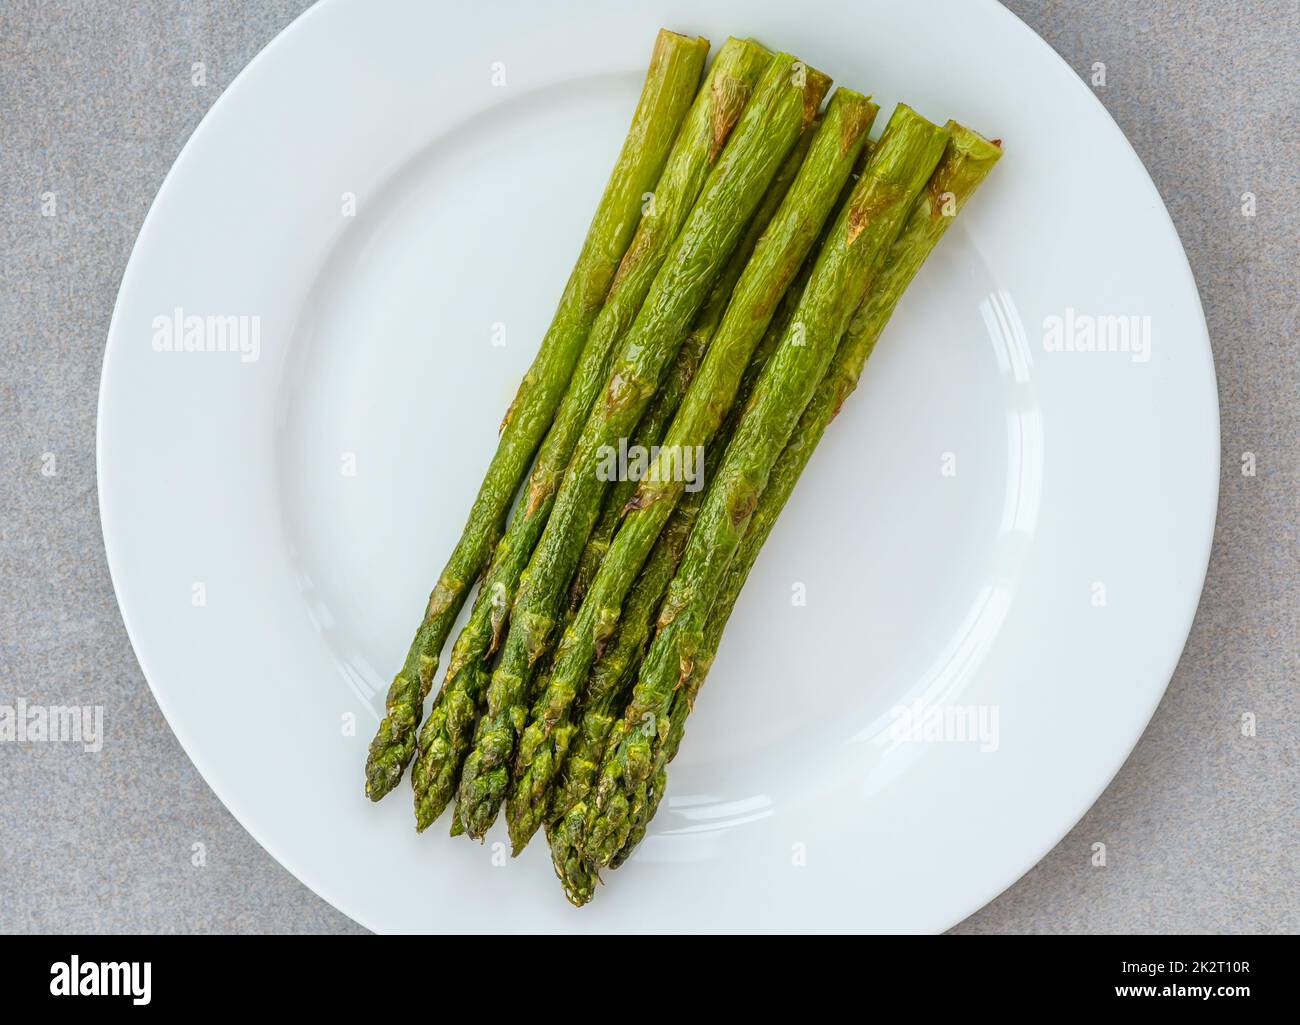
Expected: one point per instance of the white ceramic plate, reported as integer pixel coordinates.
(270, 593)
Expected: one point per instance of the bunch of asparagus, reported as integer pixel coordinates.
(731, 315)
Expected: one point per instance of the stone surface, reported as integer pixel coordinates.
(97, 100)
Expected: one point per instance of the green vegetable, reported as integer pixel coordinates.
(648, 434)
(567, 810)
(966, 162)
(578, 747)
(895, 174)
(776, 260)
(784, 102)
(566, 813)
(670, 84)
(615, 666)
(446, 735)
(664, 405)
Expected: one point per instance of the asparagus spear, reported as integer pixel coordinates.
(579, 748)
(616, 665)
(675, 67)
(446, 734)
(648, 434)
(664, 405)
(775, 262)
(610, 677)
(785, 101)
(966, 162)
(898, 169)
(567, 807)
(566, 813)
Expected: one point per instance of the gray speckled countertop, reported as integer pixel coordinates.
(95, 103)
